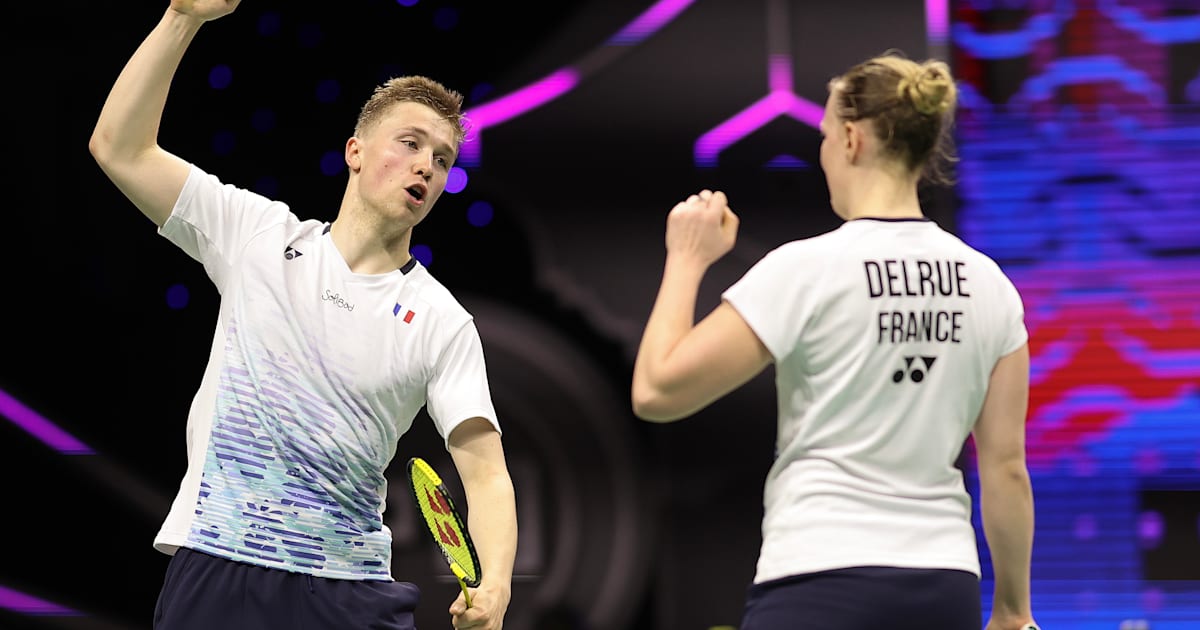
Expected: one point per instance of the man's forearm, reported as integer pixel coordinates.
(493, 527)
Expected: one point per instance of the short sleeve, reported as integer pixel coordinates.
(776, 297)
(459, 389)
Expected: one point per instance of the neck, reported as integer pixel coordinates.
(365, 248)
(883, 194)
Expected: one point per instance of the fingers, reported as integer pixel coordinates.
(705, 199)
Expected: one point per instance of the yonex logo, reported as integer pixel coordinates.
(291, 253)
(916, 374)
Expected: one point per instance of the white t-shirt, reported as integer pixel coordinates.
(315, 372)
(884, 335)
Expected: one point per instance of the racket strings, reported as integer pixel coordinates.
(444, 523)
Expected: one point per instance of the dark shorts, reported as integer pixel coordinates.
(204, 592)
(866, 598)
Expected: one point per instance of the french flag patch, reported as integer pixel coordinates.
(408, 315)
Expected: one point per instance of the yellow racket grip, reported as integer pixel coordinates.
(461, 576)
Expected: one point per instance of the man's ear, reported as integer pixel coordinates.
(353, 154)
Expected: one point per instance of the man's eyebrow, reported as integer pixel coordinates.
(425, 135)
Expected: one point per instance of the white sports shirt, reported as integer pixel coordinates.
(315, 372)
(884, 335)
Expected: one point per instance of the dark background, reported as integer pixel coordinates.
(625, 525)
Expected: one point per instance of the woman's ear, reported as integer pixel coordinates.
(854, 141)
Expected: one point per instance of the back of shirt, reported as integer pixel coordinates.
(884, 335)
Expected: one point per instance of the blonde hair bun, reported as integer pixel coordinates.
(928, 87)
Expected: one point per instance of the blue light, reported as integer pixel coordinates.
(480, 213)
(311, 35)
(269, 24)
(333, 163)
(423, 254)
(263, 120)
(177, 296)
(220, 77)
(224, 142)
(328, 90)
(446, 18)
(267, 186)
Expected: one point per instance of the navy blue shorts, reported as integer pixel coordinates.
(204, 592)
(866, 598)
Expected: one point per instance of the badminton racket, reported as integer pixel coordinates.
(445, 523)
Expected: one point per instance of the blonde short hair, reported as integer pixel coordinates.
(413, 89)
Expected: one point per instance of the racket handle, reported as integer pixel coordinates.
(461, 577)
(467, 594)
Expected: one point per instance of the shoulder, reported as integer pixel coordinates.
(430, 294)
(804, 250)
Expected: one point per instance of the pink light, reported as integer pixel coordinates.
(745, 122)
(937, 20)
(40, 428)
(779, 73)
(512, 105)
(649, 22)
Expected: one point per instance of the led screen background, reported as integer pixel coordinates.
(1078, 175)
(1078, 134)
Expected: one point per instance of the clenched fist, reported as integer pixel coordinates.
(702, 227)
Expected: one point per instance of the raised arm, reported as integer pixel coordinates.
(478, 455)
(125, 139)
(681, 367)
(1006, 495)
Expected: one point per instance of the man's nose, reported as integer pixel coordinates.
(423, 164)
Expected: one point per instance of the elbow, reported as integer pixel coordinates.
(100, 148)
(652, 405)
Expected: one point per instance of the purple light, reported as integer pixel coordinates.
(1148, 461)
(937, 20)
(1153, 599)
(30, 605)
(742, 124)
(407, 3)
(649, 22)
(1150, 529)
(786, 162)
(512, 105)
(41, 428)
(456, 181)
